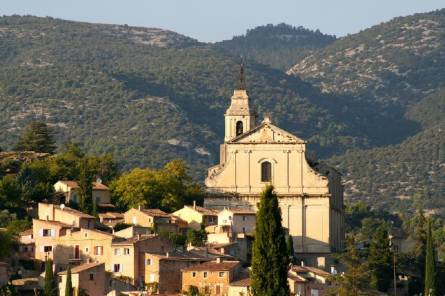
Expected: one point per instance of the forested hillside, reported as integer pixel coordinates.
(149, 95)
(279, 46)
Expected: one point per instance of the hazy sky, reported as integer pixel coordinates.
(214, 20)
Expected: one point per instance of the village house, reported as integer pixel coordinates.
(128, 255)
(79, 246)
(4, 274)
(46, 234)
(111, 219)
(239, 220)
(89, 278)
(133, 231)
(308, 281)
(26, 244)
(240, 286)
(211, 278)
(165, 269)
(196, 216)
(66, 215)
(151, 218)
(101, 193)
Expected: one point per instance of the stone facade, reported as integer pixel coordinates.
(310, 196)
(88, 277)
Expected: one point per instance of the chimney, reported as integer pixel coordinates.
(139, 236)
(139, 207)
(167, 255)
(302, 263)
(194, 204)
(333, 270)
(218, 260)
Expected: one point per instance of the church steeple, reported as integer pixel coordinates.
(239, 118)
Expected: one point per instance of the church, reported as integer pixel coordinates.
(255, 155)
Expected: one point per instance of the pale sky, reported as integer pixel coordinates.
(215, 20)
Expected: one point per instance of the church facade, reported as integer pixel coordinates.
(253, 156)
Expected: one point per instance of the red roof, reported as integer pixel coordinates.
(75, 185)
(213, 266)
(82, 267)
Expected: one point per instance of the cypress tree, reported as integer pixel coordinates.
(50, 287)
(430, 264)
(69, 284)
(85, 190)
(380, 260)
(269, 252)
(36, 137)
(290, 248)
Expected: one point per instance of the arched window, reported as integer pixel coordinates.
(266, 171)
(239, 128)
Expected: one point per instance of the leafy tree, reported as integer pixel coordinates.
(193, 291)
(6, 244)
(85, 190)
(197, 237)
(430, 264)
(8, 290)
(379, 259)
(355, 281)
(269, 253)
(50, 287)
(17, 226)
(36, 137)
(69, 284)
(168, 188)
(10, 192)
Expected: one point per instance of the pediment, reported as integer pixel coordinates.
(267, 133)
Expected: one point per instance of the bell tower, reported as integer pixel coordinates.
(239, 118)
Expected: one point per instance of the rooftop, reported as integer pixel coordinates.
(239, 211)
(75, 185)
(242, 280)
(179, 255)
(111, 215)
(214, 266)
(155, 213)
(26, 232)
(204, 211)
(82, 267)
(134, 239)
(61, 224)
(314, 270)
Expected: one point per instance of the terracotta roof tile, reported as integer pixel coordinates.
(155, 213)
(204, 211)
(82, 267)
(75, 185)
(213, 266)
(26, 232)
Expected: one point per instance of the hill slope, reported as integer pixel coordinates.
(397, 62)
(149, 95)
(279, 46)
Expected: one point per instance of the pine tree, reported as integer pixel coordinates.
(85, 190)
(430, 264)
(269, 253)
(69, 284)
(36, 137)
(290, 248)
(50, 284)
(380, 260)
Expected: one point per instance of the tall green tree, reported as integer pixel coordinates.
(85, 190)
(430, 264)
(270, 262)
(37, 137)
(50, 287)
(380, 260)
(355, 280)
(69, 284)
(290, 248)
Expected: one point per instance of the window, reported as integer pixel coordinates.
(47, 249)
(244, 218)
(230, 218)
(91, 276)
(47, 232)
(266, 171)
(126, 251)
(87, 250)
(85, 234)
(134, 221)
(244, 229)
(193, 273)
(221, 274)
(98, 250)
(314, 292)
(117, 251)
(148, 262)
(117, 268)
(205, 274)
(239, 128)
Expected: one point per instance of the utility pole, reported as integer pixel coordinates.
(393, 248)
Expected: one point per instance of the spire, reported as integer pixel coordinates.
(241, 83)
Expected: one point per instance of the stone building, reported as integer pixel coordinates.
(89, 278)
(253, 156)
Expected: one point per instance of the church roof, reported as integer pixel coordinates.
(267, 133)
